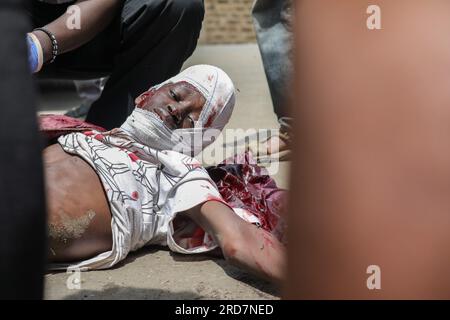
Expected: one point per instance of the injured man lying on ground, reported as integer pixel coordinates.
(110, 193)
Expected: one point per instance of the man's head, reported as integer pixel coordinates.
(199, 98)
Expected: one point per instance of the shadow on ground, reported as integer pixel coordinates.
(232, 272)
(114, 292)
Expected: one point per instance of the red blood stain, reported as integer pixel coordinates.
(135, 195)
(210, 119)
(212, 198)
(133, 157)
(195, 242)
(198, 233)
(242, 184)
(145, 97)
(99, 137)
(89, 133)
(53, 126)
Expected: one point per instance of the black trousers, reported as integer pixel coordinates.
(147, 43)
(22, 211)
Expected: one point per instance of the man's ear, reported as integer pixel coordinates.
(141, 99)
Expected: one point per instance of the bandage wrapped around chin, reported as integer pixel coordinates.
(220, 95)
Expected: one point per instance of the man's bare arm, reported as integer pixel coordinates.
(243, 244)
(95, 16)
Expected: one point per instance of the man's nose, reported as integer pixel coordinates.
(178, 110)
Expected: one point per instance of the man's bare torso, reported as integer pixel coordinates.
(79, 216)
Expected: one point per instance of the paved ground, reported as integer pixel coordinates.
(156, 273)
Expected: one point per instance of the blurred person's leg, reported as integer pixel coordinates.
(273, 21)
(89, 91)
(22, 213)
(372, 155)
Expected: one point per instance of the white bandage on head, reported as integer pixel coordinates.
(217, 88)
(220, 95)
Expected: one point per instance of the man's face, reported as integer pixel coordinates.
(178, 105)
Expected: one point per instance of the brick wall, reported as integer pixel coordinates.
(227, 21)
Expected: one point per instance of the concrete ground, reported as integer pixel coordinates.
(156, 273)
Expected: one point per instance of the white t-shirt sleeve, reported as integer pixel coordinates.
(192, 191)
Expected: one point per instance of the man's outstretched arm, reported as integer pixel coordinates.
(95, 16)
(243, 244)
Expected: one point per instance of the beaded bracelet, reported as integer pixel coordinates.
(54, 43)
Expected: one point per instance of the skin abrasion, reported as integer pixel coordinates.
(69, 228)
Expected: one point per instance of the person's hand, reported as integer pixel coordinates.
(35, 53)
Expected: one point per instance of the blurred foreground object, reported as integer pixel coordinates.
(22, 213)
(372, 156)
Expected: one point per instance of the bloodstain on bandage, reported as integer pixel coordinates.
(88, 133)
(211, 118)
(135, 195)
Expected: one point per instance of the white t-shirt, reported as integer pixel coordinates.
(146, 189)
